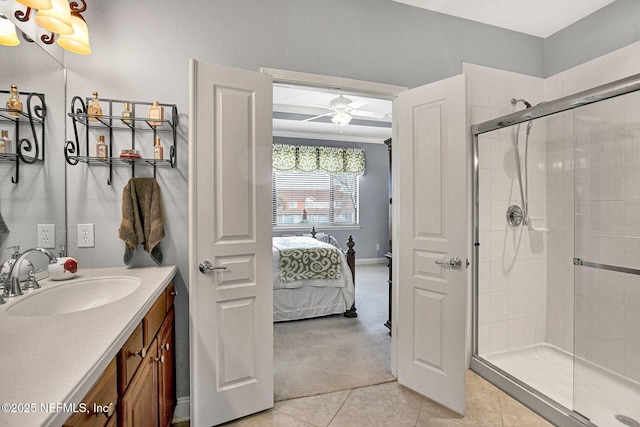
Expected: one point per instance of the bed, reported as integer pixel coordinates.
(323, 286)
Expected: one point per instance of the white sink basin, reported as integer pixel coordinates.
(77, 295)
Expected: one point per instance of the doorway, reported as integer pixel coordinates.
(359, 349)
(231, 312)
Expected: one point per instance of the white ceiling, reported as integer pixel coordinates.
(306, 103)
(540, 18)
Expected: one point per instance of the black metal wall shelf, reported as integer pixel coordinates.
(27, 150)
(115, 123)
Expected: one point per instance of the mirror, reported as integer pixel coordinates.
(39, 195)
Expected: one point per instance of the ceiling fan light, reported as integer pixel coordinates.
(37, 4)
(8, 36)
(340, 103)
(341, 118)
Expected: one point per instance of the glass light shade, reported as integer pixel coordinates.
(8, 36)
(341, 118)
(78, 42)
(37, 4)
(57, 19)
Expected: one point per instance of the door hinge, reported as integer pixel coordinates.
(467, 262)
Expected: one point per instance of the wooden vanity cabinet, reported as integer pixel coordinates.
(129, 358)
(149, 398)
(140, 381)
(139, 404)
(101, 402)
(154, 318)
(166, 370)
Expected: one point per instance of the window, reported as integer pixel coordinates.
(319, 198)
(316, 185)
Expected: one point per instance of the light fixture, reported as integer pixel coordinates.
(37, 4)
(60, 17)
(8, 36)
(78, 42)
(341, 118)
(57, 19)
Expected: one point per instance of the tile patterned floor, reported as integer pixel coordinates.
(391, 404)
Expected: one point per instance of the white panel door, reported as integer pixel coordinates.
(430, 210)
(230, 303)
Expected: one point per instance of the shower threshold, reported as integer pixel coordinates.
(589, 389)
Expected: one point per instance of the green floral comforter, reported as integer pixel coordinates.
(307, 258)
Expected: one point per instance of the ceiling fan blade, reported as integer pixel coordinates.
(357, 104)
(324, 107)
(317, 117)
(370, 114)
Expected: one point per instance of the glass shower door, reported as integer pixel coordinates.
(607, 263)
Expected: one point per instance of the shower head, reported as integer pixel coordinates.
(514, 102)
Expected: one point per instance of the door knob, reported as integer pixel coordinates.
(206, 267)
(454, 262)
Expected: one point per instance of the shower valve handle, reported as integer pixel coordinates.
(454, 262)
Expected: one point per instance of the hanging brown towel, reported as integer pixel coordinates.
(143, 218)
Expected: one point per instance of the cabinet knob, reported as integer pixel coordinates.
(165, 347)
(160, 359)
(107, 410)
(142, 353)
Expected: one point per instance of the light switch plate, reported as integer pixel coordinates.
(47, 236)
(86, 236)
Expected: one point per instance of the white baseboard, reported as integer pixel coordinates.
(371, 261)
(182, 408)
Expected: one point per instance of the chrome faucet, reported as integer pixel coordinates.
(12, 281)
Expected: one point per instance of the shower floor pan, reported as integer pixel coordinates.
(599, 394)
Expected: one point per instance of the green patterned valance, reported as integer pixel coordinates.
(310, 159)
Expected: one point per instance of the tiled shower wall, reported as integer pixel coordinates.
(602, 142)
(512, 260)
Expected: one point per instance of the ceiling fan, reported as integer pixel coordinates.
(343, 110)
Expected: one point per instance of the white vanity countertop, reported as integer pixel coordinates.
(47, 362)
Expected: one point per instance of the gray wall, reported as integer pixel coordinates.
(141, 51)
(374, 198)
(610, 28)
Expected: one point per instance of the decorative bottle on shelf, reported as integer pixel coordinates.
(5, 142)
(13, 103)
(158, 150)
(156, 114)
(102, 150)
(94, 109)
(127, 114)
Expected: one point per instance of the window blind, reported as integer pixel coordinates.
(316, 199)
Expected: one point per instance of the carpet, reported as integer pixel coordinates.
(334, 353)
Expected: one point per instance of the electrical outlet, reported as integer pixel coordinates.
(85, 236)
(47, 236)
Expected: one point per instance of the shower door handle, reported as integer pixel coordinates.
(454, 262)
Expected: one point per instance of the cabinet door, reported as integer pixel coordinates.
(129, 358)
(139, 404)
(166, 370)
(101, 402)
